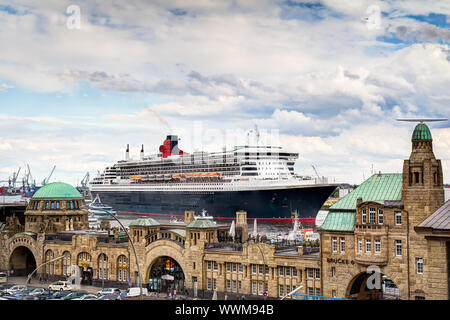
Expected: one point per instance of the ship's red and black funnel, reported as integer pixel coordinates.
(170, 147)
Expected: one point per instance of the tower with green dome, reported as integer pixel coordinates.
(56, 207)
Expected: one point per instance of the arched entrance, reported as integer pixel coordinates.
(165, 275)
(22, 261)
(373, 286)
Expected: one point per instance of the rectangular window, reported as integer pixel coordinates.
(208, 265)
(239, 286)
(254, 287)
(333, 271)
(288, 289)
(333, 293)
(281, 290)
(420, 298)
(342, 245)
(317, 291)
(380, 216)
(209, 284)
(214, 284)
(368, 246)
(288, 271)
(398, 218)
(364, 216)
(419, 264)
(334, 244)
(377, 246)
(215, 266)
(317, 273)
(310, 291)
(228, 264)
(280, 271)
(260, 269)
(260, 288)
(398, 247)
(267, 270)
(253, 268)
(309, 273)
(372, 215)
(228, 285)
(240, 267)
(234, 267)
(360, 245)
(234, 286)
(294, 272)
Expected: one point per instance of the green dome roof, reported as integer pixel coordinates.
(57, 190)
(421, 132)
(144, 222)
(201, 224)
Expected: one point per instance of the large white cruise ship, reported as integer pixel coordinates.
(257, 179)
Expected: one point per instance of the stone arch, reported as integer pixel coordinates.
(357, 287)
(22, 261)
(24, 241)
(163, 248)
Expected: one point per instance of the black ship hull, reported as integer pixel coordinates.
(259, 204)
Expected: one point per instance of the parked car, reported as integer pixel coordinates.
(107, 291)
(136, 292)
(58, 295)
(46, 294)
(60, 285)
(87, 297)
(75, 294)
(109, 297)
(37, 291)
(12, 290)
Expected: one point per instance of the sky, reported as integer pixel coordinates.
(79, 80)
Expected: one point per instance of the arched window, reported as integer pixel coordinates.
(103, 266)
(69, 205)
(84, 259)
(66, 262)
(122, 268)
(46, 205)
(57, 204)
(49, 268)
(52, 205)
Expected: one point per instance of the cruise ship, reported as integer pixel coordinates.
(258, 179)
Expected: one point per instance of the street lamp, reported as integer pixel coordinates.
(131, 241)
(41, 265)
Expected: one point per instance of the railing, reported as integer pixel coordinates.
(148, 242)
(224, 245)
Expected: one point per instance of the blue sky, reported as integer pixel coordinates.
(330, 77)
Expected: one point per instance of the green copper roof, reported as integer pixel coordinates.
(144, 222)
(421, 132)
(180, 232)
(201, 224)
(378, 188)
(57, 190)
(339, 221)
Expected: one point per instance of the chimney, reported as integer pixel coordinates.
(241, 221)
(127, 153)
(142, 153)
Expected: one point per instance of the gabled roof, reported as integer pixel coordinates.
(378, 188)
(339, 221)
(144, 222)
(201, 224)
(438, 221)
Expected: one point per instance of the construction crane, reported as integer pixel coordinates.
(45, 181)
(317, 174)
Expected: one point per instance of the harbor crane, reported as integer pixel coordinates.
(85, 180)
(14, 179)
(46, 180)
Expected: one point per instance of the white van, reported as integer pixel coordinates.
(136, 292)
(3, 277)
